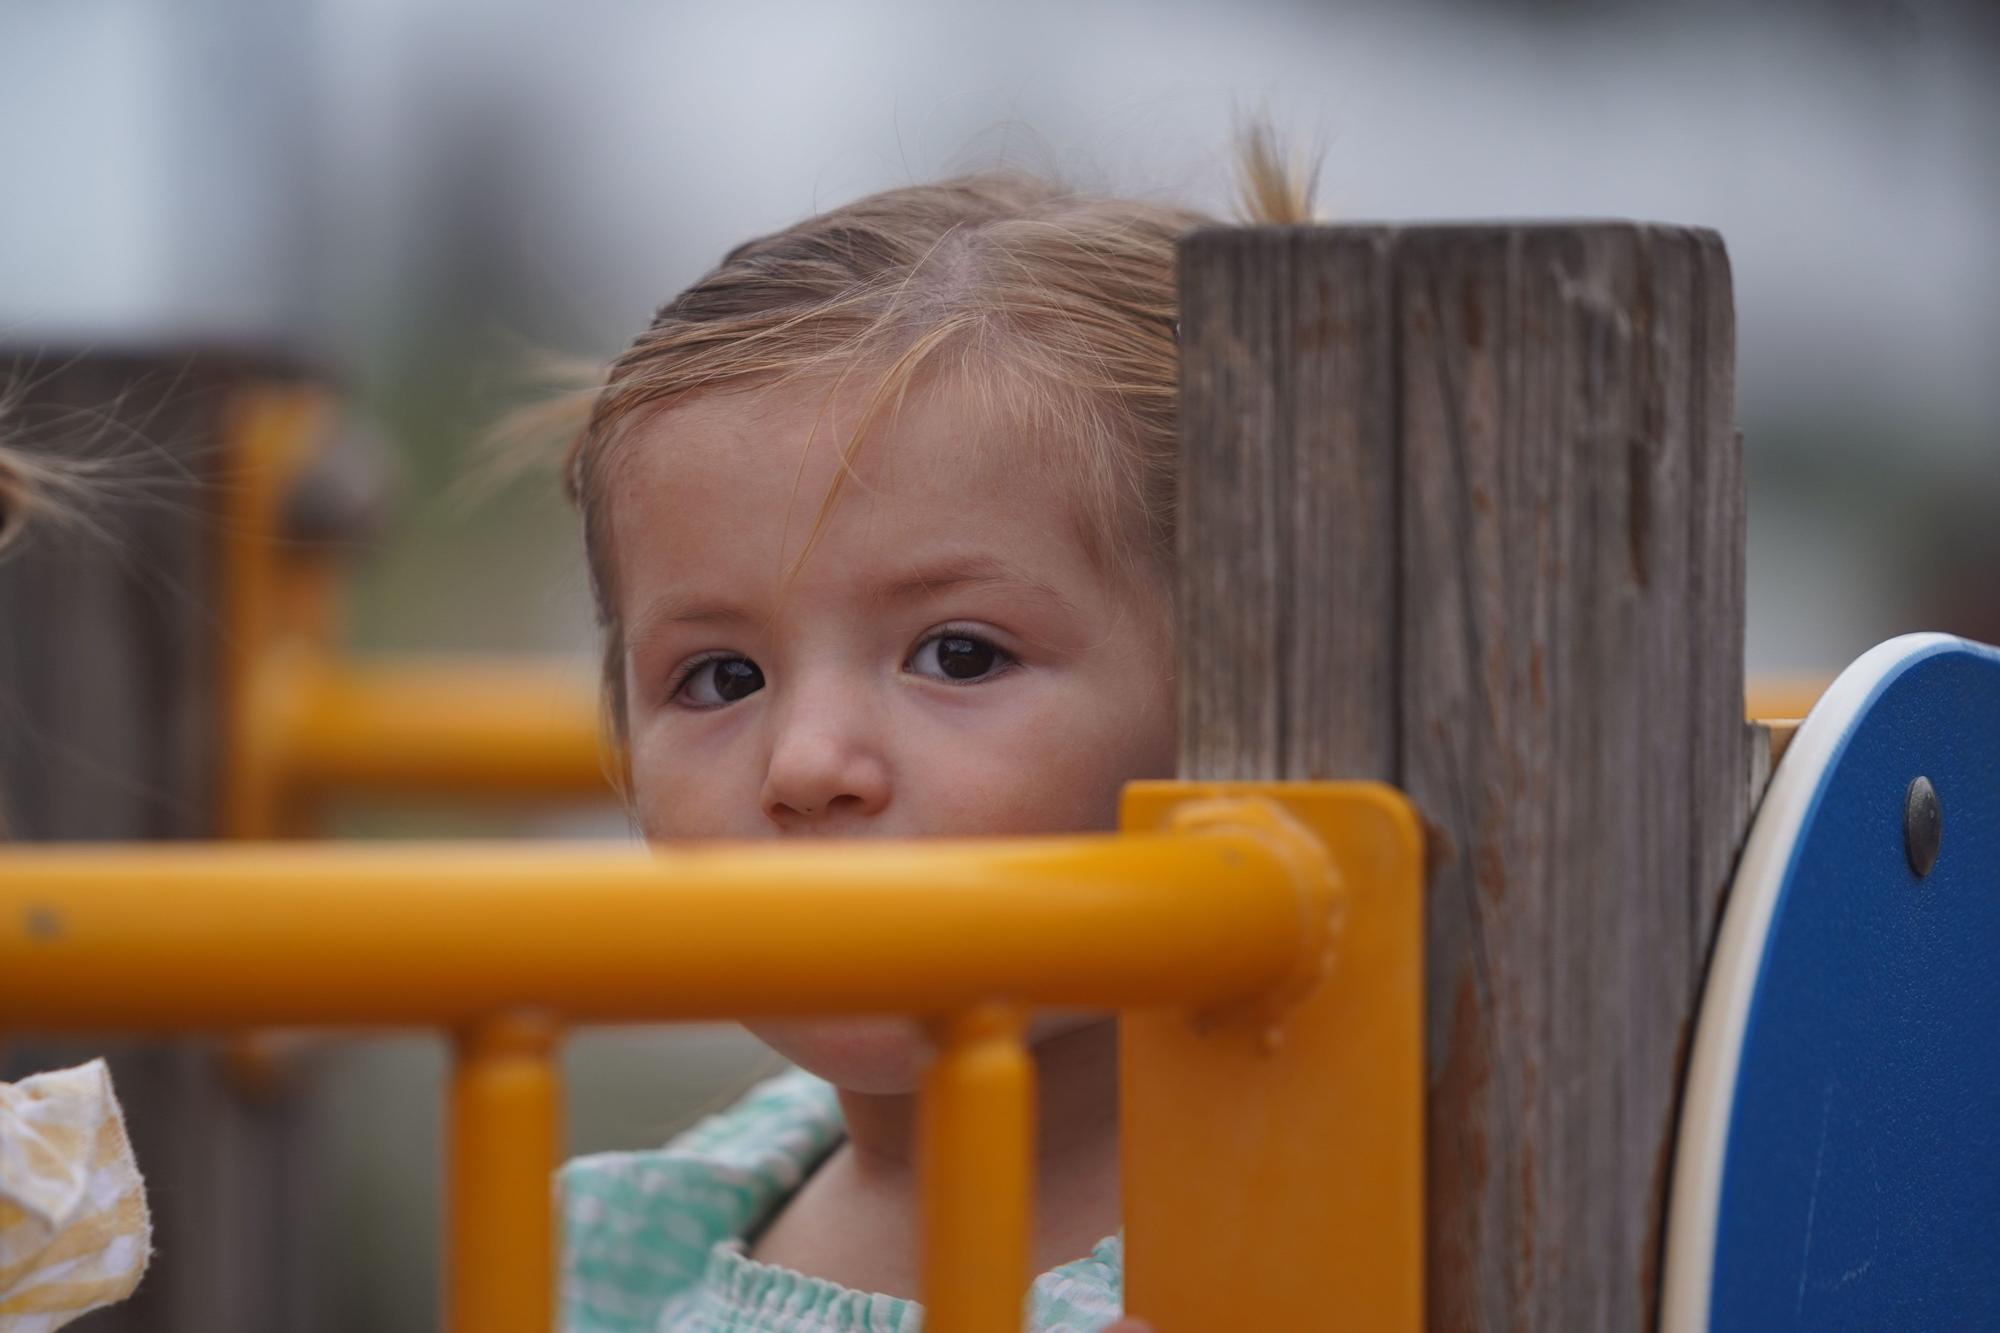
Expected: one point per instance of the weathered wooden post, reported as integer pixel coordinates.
(1462, 510)
(111, 727)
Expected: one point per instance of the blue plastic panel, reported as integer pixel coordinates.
(1861, 1178)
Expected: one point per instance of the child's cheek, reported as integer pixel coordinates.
(1033, 767)
(682, 789)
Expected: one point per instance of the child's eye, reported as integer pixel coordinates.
(715, 681)
(958, 657)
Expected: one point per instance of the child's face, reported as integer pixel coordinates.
(949, 660)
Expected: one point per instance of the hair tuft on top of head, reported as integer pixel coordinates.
(1273, 187)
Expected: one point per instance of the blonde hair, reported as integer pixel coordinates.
(46, 490)
(43, 490)
(1054, 310)
(14, 497)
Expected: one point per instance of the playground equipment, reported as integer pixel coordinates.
(1839, 1165)
(503, 944)
(1462, 514)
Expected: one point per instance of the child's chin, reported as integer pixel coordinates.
(878, 1056)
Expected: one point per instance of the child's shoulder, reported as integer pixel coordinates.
(638, 1226)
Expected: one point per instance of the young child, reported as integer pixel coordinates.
(880, 523)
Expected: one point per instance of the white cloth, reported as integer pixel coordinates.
(74, 1231)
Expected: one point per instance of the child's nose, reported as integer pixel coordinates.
(825, 766)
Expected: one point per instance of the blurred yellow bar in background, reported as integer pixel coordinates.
(462, 727)
(1782, 696)
(517, 729)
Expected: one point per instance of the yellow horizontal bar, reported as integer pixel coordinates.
(1782, 696)
(464, 727)
(172, 937)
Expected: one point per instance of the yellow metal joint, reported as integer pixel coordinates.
(1314, 875)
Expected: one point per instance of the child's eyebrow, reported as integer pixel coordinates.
(947, 576)
(680, 609)
(968, 572)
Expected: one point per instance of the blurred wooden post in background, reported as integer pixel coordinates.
(1463, 510)
(110, 728)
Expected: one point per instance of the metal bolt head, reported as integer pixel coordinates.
(1923, 826)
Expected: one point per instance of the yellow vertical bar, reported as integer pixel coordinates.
(268, 431)
(505, 1112)
(976, 1141)
(1306, 1123)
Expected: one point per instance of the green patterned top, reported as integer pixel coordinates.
(653, 1241)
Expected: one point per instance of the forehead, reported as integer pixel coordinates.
(728, 488)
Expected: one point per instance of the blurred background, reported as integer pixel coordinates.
(416, 198)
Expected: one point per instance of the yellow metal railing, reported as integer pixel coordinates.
(1263, 945)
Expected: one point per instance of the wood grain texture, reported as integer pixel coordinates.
(108, 730)
(1462, 509)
